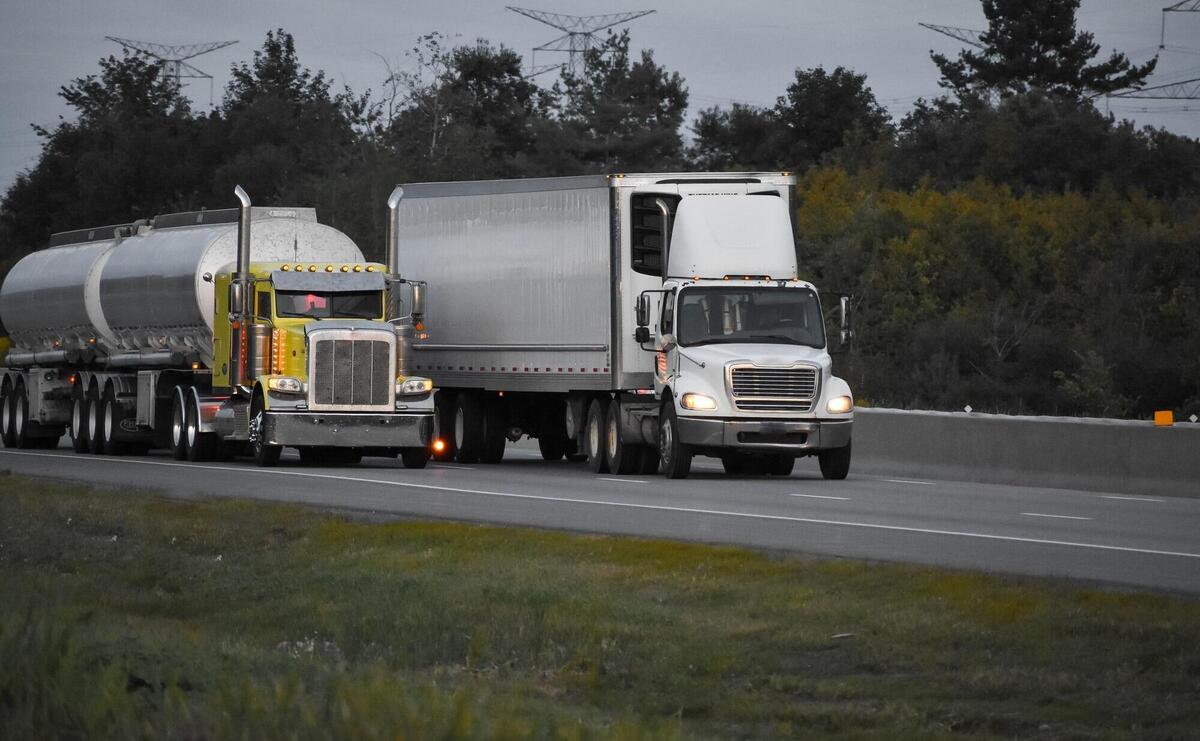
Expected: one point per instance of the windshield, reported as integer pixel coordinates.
(330, 304)
(790, 316)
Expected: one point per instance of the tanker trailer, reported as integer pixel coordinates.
(214, 334)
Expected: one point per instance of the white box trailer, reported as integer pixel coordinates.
(533, 324)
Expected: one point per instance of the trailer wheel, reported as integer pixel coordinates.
(835, 463)
(79, 441)
(414, 457)
(443, 425)
(6, 410)
(594, 435)
(623, 458)
(20, 418)
(178, 425)
(468, 428)
(265, 456)
(552, 432)
(94, 440)
(110, 422)
(495, 430)
(676, 456)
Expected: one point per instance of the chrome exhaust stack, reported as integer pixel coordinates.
(239, 293)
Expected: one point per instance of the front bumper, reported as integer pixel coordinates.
(413, 430)
(767, 435)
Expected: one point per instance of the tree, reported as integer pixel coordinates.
(1034, 46)
(623, 115)
(738, 138)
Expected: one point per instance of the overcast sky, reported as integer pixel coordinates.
(745, 51)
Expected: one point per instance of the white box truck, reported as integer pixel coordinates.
(632, 320)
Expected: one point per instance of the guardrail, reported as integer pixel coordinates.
(1061, 452)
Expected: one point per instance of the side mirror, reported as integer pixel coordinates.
(641, 335)
(642, 311)
(668, 343)
(419, 292)
(847, 332)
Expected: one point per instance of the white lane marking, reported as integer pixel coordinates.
(906, 481)
(1057, 517)
(622, 480)
(1131, 499)
(627, 505)
(449, 465)
(819, 496)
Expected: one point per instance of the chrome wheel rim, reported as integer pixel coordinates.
(665, 436)
(612, 438)
(109, 413)
(460, 425)
(4, 412)
(93, 422)
(192, 424)
(76, 418)
(19, 416)
(594, 436)
(177, 423)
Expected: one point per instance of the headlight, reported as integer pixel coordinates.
(839, 405)
(414, 386)
(286, 385)
(698, 402)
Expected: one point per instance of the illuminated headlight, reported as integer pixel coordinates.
(414, 386)
(839, 405)
(698, 402)
(286, 385)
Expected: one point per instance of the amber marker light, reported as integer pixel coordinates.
(345, 268)
(286, 268)
(312, 268)
(358, 268)
(439, 446)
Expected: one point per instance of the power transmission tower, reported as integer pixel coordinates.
(1187, 6)
(173, 58)
(580, 33)
(1182, 90)
(968, 36)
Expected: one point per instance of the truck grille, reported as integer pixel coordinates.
(351, 373)
(773, 389)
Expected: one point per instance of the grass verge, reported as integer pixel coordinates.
(134, 615)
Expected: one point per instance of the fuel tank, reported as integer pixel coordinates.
(146, 288)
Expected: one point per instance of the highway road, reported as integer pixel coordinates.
(1116, 537)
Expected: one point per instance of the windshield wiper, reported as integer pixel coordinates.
(777, 338)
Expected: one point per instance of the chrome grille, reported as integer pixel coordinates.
(348, 372)
(773, 389)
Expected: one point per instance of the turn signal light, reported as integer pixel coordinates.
(439, 446)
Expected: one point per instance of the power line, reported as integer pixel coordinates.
(580, 33)
(173, 58)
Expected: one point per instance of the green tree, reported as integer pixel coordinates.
(1035, 46)
(622, 114)
(741, 137)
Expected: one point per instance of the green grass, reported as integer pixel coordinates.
(134, 615)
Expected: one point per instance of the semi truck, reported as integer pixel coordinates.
(214, 333)
(632, 320)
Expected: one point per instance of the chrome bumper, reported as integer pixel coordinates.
(348, 430)
(776, 436)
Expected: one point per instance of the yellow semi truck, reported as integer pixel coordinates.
(214, 334)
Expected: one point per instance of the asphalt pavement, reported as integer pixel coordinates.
(1118, 538)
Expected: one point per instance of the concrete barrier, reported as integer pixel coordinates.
(1062, 452)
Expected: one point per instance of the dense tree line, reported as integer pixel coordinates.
(1008, 245)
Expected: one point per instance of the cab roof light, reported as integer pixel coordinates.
(286, 268)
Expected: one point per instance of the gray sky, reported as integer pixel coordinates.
(726, 51)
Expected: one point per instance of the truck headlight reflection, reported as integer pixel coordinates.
(698, 402)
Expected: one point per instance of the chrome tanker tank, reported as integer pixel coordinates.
(138, 290)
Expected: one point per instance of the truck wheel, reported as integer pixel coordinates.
(623, 457)
(414, 457)
(552, 433)
(265, 456)
(6, 404)
(781, 465)
(110, 423)
(178, 425)
(676, 456)
(594, 435)
(443, 425)
(495, 430)
(468, 428)
(94, 440)
(648, 460)
(20, 419)
(835, 463)
(79, 441)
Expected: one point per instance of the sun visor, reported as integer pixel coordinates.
(719, 235)
(304, 281)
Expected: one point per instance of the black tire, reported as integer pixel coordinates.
(835, 463)
(443, 425)
(594, 434)
(495, 429)
(552, 433)
(79, 412)
(265, 456)
(6, 410)
(648, 460)
(676, 456)
(179, 424)
(468, 428)
(738, 464)
(95, 440)
(414, 457)
(623, 457)
(20, 418)
(110, 423)
(781, 465)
